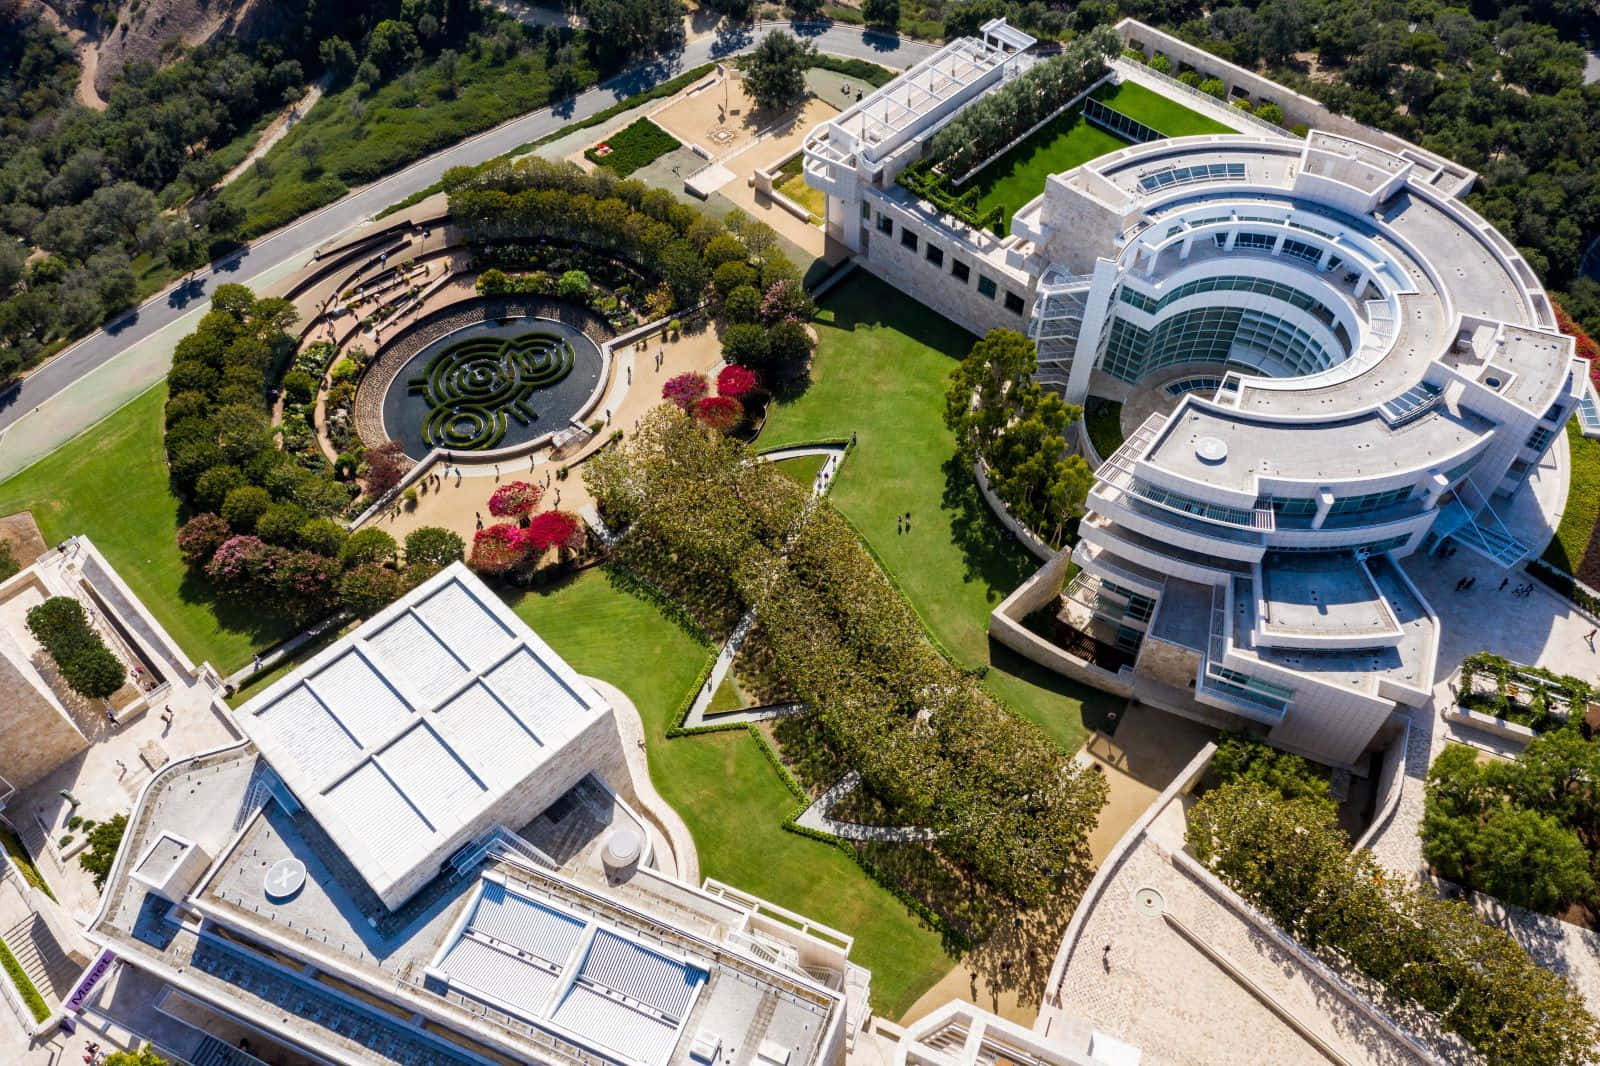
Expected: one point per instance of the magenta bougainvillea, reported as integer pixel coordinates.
(721, 413)
(685, 389)
(554, 529)
(735, 381)
(516, 499)
(240, 559)
(498, 548)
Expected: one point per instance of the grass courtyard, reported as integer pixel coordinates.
(1069, 141)
(724, 788)
(791, 181)
(1575, 547)
(638, 144)
(111, 484)
(880, 372)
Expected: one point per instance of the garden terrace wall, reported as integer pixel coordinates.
(1005, 626)
(394, 355)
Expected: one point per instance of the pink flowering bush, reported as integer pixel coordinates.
(735, 381)
(554, 529)
(685, 389)
(200, 538)
(517, 499)
(498, 548)
(786, 299)
(721, 413)
(242, 560)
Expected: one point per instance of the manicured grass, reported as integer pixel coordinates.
(792, 183)
(1103, 419)
(880, 372)
(348, 139)
(638, 144)
(726, 791)
(1160, 113)
(803, 469)
(725, 699)
(1571, 547)
(1069, 141)
(30, 995)
(111, 484)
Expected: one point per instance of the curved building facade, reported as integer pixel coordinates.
(1338, 363)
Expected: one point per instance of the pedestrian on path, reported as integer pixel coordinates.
(1105, 958)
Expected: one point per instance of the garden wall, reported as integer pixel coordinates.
(1005, 626)
(1030, 540)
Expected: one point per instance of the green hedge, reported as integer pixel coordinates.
(30, 995)
(858, 69)
(86, 664)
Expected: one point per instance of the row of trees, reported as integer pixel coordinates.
(995, 120)
(1289, 858)
(62, 627)
(1018, 427)
(1525, 831)
(725, 534)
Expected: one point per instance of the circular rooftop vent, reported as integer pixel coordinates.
(621, 851)
(1211, 449)
(284, 878)
(1149, 901)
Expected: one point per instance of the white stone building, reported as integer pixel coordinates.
(1328, 363)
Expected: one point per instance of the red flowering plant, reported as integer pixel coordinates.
(735, 381)
(721, 413)
(685, 389)
(498, 548)
(554, 529)
(516, 499)
(1584, 344)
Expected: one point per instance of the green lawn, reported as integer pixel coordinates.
(1572, 543)
(791, 182)
(638, 144)
(726, 791)
(1069, 141)
(725, 699)
(802, 469)
(111, 483)
(880, 372)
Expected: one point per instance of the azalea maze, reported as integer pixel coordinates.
(474, 388)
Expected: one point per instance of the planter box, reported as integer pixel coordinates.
(1500, 727)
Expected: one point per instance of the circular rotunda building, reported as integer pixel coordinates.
(1327, 363)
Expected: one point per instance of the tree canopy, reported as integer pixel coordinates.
(775, 72)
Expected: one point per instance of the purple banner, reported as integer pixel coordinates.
(90, 979)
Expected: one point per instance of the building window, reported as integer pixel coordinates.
(986, 287)
(885, 225)
(908, 239)
(935, 255)
(866, 211)
(1539, 438)
(1013, 303)
(960, 271)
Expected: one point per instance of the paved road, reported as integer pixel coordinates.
(294, 243)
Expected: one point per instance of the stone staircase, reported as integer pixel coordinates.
(47, 966)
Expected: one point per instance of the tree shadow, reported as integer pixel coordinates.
(988, 552)
(233, 616)
(1097, 710)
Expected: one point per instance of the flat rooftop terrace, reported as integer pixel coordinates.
(1328, 596)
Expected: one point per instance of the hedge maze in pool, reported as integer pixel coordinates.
(473, 388)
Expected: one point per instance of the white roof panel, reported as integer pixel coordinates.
(528, 926)
(358, 696)
(615, 1026)
(478, 725)
(540, 699)
(498, 974)
(303, 728)
(641, 974)
(368, 798)
(431, 775)
(458, 618)
(416, 655)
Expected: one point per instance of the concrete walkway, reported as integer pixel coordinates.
(816, 817)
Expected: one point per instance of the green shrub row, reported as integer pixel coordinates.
(636, 145)
(933, 186)
(1564, 584)
(30, 995)
(89, 668)
(858, 69)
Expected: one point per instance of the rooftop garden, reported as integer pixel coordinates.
(1527, 695)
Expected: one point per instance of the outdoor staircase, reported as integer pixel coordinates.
(1471, 520)
(214, 1052)
(41, 958)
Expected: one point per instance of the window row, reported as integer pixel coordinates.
(933, 255)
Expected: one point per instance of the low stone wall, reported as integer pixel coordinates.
(1519, 735)
(1029, 539)
(1005, 626)
(1391, 782)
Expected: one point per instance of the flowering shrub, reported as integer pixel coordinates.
(1585, 345)
(242, 559)
(735, 381)
(685, 389)
(304, 584)
(786, 299)
(200, 538)
(721, 413)
(554, 529)
(498, 548)
(515, 500)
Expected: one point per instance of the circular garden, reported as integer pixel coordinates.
(491, 385)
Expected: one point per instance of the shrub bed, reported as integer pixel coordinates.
(636, 145)
(89, 668)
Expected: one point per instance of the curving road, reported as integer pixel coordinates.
(280, 251)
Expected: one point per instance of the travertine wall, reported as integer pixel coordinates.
(35, 735)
